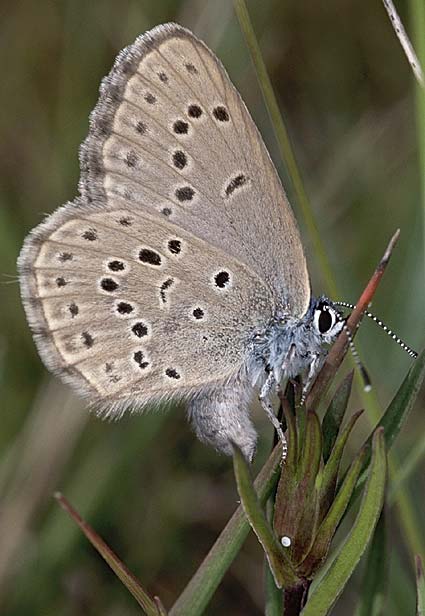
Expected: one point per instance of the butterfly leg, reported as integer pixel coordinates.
(221, 417)
(264, 398)
(315, 365)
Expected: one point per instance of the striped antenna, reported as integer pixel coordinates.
(382, 325)
(366, 380)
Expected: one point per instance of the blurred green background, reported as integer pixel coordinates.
(156, 495)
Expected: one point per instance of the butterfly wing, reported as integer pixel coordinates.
(182, 244)
(129, 308)
(171, 134)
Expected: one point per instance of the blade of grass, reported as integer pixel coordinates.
(392, 422)
(372, 595)
(404, 41)
(334, 415)
(420, 587)
(274, 597)
(397, 412)
(333, 582)
(327, 529)
(329, 475)
(201, 587)
(407, 467)
(280, 565)
(417, 19)
(273, 602)
(149, 606)
(284, 143)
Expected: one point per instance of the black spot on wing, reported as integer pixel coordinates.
(185, 193)
(73, 309)
(174, 246)
(90, 235)
(194, 111)
(65, 256)
(235, 183)
(109, 285)
(172, 373)
(140, 360)
(198, 313)
(88, 339)
(149, 256)
(179, 159)
(150, 98)
(165, 285)
(180, 127)
(221, 114)
(139, 329)
(124, 308)
(116, 266)
(222, 279)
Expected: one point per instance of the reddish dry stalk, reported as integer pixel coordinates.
(337, 352)
(123, 573)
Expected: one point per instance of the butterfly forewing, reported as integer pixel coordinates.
(171, 133)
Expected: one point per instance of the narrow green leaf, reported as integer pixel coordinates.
(372, 595)
(335, 414)
(327, 529)
(280, 565)
(312, 448)
(420, 587)
(285, 499)
(329, 475)
(307, 501)
(416, 10)
(284, 143)
(397, 412)
(334, 580)
(201, 587)
(274, 596)
(296, 495)
(405, 468)
(402, 403)
(149, 606)
(273, 599)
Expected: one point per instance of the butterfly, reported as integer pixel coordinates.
(178, 272)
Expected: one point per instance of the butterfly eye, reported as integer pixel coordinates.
(324, 319)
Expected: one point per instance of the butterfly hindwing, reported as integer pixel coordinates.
(130, 308)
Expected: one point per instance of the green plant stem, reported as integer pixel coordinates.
(420, 587)
(411, 526)
(284, 144)
(375, 575)
(406, 468)
(279, 563)
(351, 550)
(417, 12)
(295, 598)
(201, 587)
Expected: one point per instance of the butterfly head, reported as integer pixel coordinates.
(325, 319)
(292, 344)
